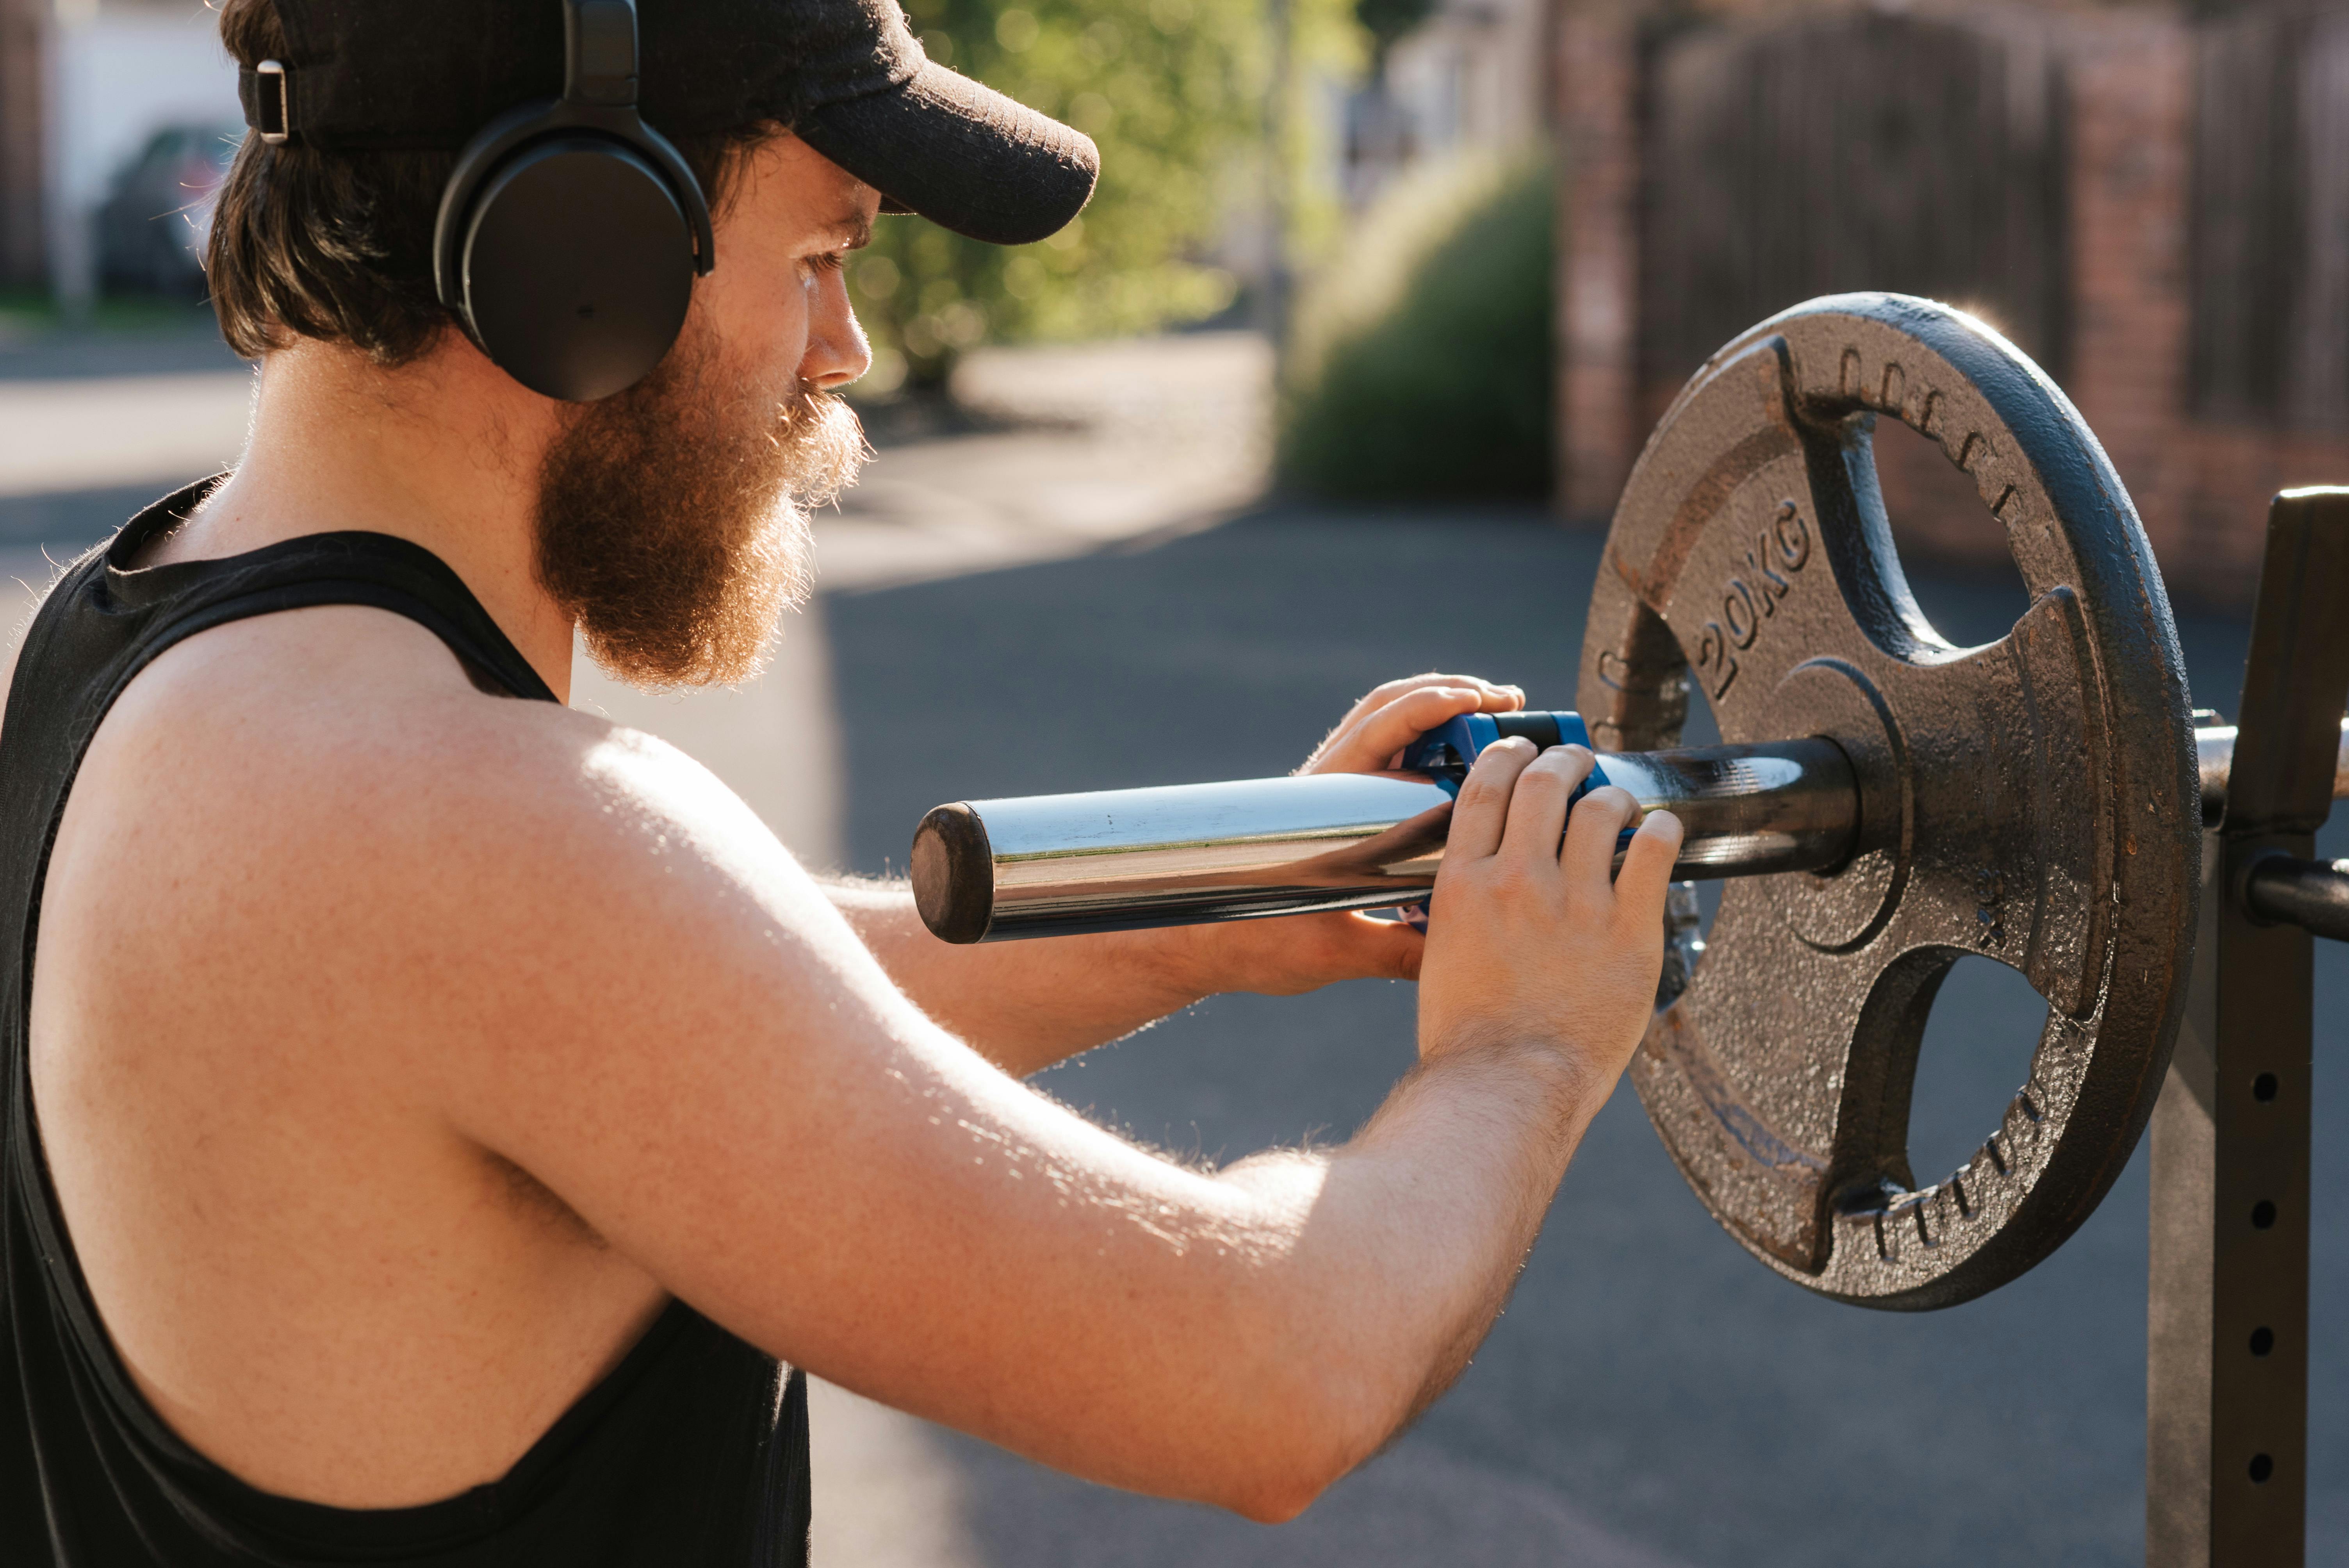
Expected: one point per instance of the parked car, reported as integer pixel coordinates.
(153, 229)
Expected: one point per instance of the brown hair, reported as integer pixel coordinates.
(307, 243)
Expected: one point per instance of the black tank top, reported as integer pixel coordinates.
(692, 1451)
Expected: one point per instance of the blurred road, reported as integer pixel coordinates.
(1035, 606)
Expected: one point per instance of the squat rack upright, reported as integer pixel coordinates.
(2227, 1320)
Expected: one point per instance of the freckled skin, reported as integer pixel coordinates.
(400, 1049)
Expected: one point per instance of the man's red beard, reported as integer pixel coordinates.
(672, 518)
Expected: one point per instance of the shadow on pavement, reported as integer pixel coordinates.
(1651, 1384)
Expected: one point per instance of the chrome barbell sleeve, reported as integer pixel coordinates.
(1191, 853)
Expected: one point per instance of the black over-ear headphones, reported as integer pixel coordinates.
(571, 232)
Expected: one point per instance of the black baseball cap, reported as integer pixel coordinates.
(846, 76)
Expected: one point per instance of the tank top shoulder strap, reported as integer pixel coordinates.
(134, 613)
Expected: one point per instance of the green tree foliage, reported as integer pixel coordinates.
(1422, 356)
(1171, 89)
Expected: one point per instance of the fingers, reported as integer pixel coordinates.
(1373, 742)
(1538, 805)
(1498, 699)
(1394, 715)
(1482, 813)
(1642, 886)
(1502, 697)
(1600, 818)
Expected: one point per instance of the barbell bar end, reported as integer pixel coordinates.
(953, 873)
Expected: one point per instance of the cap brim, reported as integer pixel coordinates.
(962, 155)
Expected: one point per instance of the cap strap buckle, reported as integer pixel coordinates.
(268, 101)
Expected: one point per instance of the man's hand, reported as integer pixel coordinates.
(1303, 952)
(1540, 971)
(1536, 943)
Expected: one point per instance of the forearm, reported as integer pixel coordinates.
(1405, 1244)
(1248, 1338)
(1457, 1172)
(1411, 1233)
(1023, 1005)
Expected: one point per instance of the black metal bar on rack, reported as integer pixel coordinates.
(2226, 1362)
(2313, 894)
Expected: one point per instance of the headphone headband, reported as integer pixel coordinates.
(599, 52)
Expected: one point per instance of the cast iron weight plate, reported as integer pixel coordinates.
(2034, 800)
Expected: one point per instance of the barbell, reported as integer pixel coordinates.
(1186, 854)
(1886, 803)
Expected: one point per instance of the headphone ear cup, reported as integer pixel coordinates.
(578, 266)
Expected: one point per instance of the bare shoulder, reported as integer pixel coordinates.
(339, 732)
(325, 791)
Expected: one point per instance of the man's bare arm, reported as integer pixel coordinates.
(747, 1108)
(536, 942)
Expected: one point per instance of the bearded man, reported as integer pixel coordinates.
(444, 1128)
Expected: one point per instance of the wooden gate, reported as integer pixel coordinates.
(1860, 150)
(2270, 220)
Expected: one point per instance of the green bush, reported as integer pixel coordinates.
(1421, 361)
(1172, 91)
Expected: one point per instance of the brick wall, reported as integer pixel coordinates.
(2127, 140)
(1597, 283)
(22, 256)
